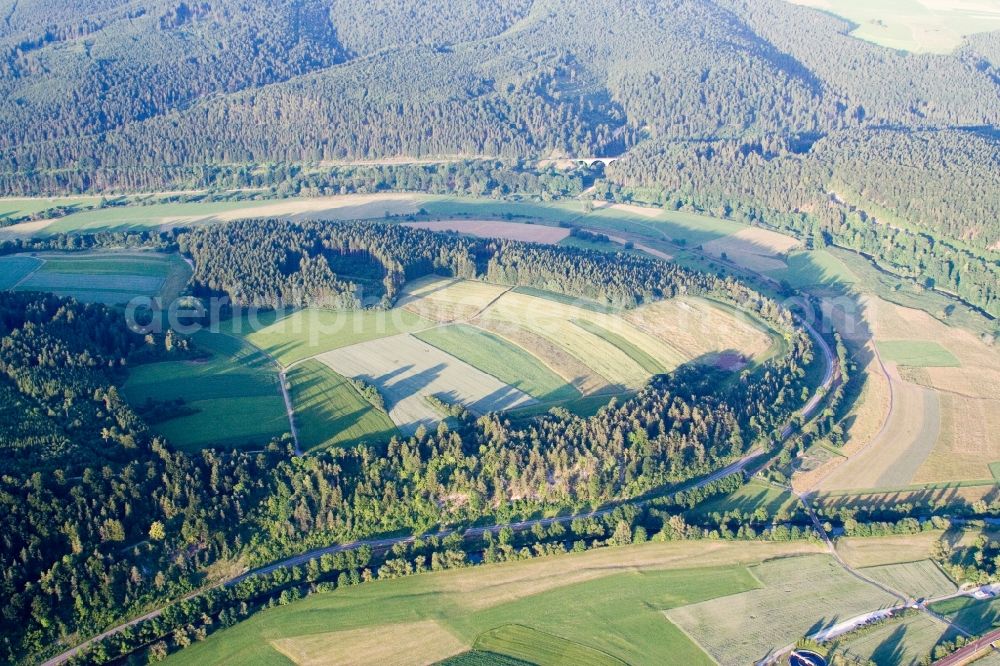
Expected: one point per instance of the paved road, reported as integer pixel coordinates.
(965, 654)
(385, 543)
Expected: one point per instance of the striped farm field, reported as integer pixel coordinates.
(329, 412)
(906, 641)
(107, 277)
(218, 394)
(445, 300)
(499, 358)
(558, 323)
(407, 371)
(918, 579)
(306, 333)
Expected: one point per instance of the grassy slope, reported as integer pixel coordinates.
(236, 392)
(647, 362)
(306, 333)
(501, 359)
(904, 641)
(973, 615)
(609, 600)
(329, 412)
(918, 579)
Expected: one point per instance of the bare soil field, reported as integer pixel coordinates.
(409, 644)
(531, 233)
(406, 371)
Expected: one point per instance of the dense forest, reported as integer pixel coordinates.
(101, 518)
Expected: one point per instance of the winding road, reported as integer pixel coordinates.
(807, 411)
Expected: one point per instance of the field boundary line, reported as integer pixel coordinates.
(33, 271)
(282, 385)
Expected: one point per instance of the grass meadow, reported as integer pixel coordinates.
(905, 642)
(795, 597)
(918, 580)
(106, 277)
(974, 615)
(234, 391)
(748, 498)
(917, 353)
(329, 412)
(306, 333)
(606, 601)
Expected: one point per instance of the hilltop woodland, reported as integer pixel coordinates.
(749, 110)
(101, 519)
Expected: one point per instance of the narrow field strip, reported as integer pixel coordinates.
(501, 359)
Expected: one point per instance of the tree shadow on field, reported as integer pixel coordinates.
(890, 651)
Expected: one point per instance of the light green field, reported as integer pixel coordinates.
(919, 580)
(750, 497)
(538, 647)
(919, 26)
(607, 600)
(108, 277)
(903, 642)
(798, 597)
(306, 333)
(17, 208)
(13, 269)
(814, 268)
(975, 616)
(142, 217)
(637, 354)
(235, 391)
(917, 353)
(495, 356)
(689, 228)
(329, 412)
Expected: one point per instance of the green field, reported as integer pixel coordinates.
(121, 218)
(750, 497)
(904, 642)
(814, 268)
(235, 392)
(12, 209)
(108, 277)
(691, 229)
(569, 609)
(647, 362)
(798, 597)
(917, 353)
(497, 357)
(13, 269)
(306, 333)
(919, 580)
(481, 658)
(533, 646)
(973, 615)
(330, 412)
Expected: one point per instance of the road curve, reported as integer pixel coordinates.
(379, 544)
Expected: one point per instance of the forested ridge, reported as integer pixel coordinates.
(102, 519)
(758, 110)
